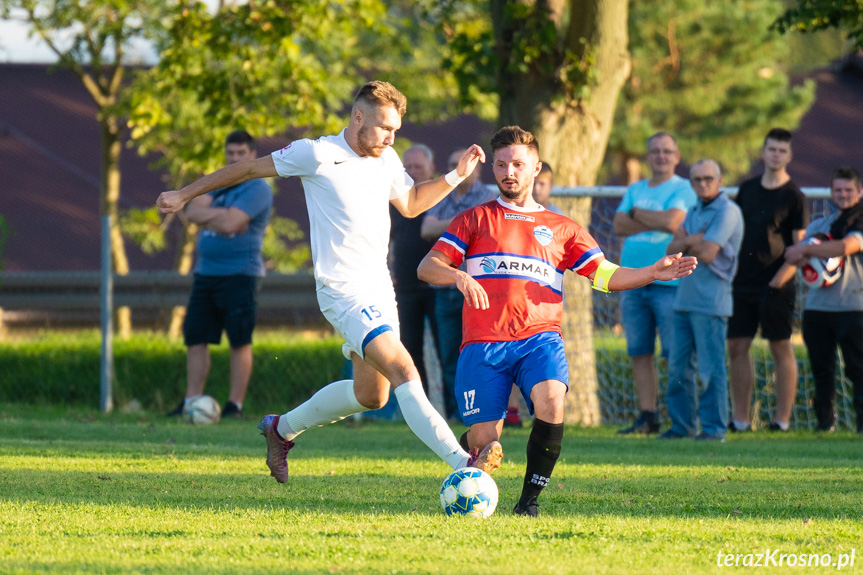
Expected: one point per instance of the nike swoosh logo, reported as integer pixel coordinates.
(342, 162)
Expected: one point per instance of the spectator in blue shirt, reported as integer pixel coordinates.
(712, 232)
(648, 215)
(227, 275)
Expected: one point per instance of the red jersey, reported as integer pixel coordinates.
(519, 257)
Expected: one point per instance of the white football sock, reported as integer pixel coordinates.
(429, 425)
(330, 404)
(741, 425)
(782, 426)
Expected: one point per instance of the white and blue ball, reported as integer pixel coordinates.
(469, 491)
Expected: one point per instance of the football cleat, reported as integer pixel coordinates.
(277, 448)
(488, 459)
(529, 509)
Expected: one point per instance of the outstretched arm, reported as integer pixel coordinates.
(230, 175)
(669, 268)
(427, 194)
(438, 269)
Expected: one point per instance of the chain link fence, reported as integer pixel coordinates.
(618, 401)
(78, 302)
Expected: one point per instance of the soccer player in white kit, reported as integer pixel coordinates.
(348, 180)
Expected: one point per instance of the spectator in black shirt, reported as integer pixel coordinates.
(775, 216)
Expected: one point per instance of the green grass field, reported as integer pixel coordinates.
(82, 492)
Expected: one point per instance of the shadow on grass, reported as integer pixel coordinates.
(336, 488)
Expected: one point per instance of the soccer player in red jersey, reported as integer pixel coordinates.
(516, 253)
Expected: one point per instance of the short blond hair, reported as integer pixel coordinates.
(379, 94)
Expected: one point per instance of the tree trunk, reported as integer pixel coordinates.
(573, 137)
(631, 168)
(111, 148)
(183, 265)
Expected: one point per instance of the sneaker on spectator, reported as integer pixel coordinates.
(710, 437)
(670, 434)
(773, 426)
(231, 409)
(177, 411)
(646, 423)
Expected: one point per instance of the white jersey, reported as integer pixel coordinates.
(348, 201)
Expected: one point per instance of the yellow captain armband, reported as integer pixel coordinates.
(603, 274)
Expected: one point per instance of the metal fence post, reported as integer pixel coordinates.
(106, 363)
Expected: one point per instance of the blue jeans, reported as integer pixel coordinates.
(447, 311)
(700, 337)
(644, 311)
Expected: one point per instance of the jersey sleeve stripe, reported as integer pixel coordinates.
(454, 242)
(586, 258)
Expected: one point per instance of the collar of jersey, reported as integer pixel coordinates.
(518, 208)
(343, 143)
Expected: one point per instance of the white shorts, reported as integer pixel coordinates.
(359, 318)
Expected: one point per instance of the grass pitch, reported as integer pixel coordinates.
(82, 492)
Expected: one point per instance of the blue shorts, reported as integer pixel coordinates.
(487, 371)
(644, 311)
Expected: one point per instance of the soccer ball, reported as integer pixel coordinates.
(821, 272)
(202, 410)
(469, 491)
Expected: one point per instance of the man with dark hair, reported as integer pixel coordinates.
(775, 216)
(542, 186)
(833, 310)
(648, 215)
(516, 253)
(349, 181)
(227, 275)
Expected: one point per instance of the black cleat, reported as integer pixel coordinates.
(529, 509)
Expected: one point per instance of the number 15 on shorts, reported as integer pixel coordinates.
(371, 312)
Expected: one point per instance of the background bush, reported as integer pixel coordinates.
(62, 368)
(59, 368)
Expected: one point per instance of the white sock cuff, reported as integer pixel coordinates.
(409, 389)
(331, 403)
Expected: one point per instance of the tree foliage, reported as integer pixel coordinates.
(556, 68)
(812, 15)
(268, 68)
(91, 37)
(710, 73)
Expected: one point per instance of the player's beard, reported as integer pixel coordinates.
(514, 193)
(366, 144)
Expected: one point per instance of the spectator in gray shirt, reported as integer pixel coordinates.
(833, 312)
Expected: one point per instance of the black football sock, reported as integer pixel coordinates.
(543, 449)
(463, 441)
